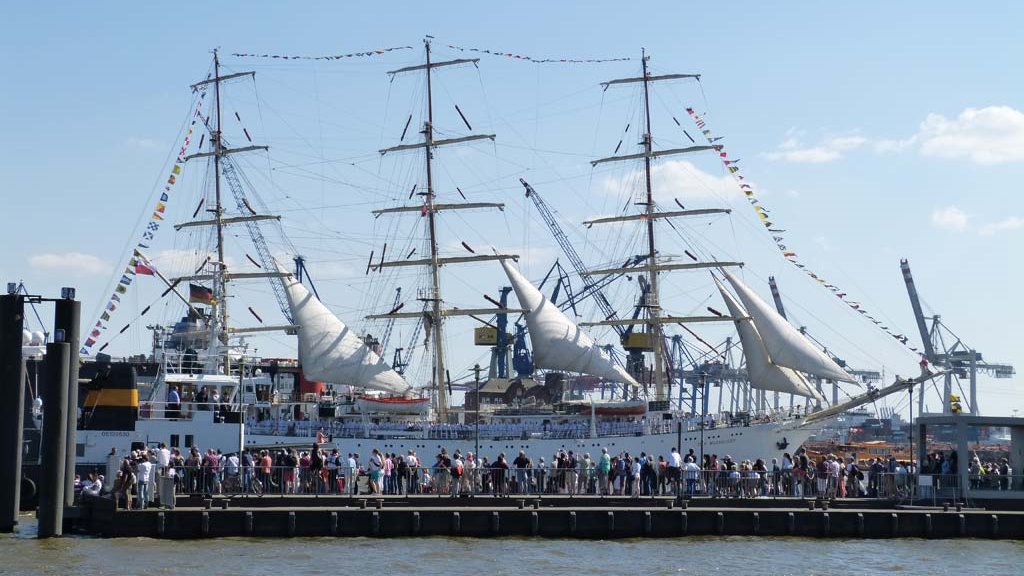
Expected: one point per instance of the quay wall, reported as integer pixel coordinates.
(594, 522)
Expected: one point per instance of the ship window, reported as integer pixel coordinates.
(174, 441)
(79, 450)
(188, 441)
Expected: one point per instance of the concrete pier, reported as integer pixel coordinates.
(554, 517)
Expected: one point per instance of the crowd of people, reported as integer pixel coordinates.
(322, 471)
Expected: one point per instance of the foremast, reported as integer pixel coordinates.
(655, 314)
(429, 209)
(219, 275)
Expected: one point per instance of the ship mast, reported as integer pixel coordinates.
(653, 301)
(220, 275)
(429, 209)
(219, 284)
(656, 316)
(435, 272)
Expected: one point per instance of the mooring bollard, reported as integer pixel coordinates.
(572, 523)
(247, 525)
(204, 525)
(860, 524)
(291, 524)
(927, 525)
(756, 523)
(611, 522)
(415, 523)
(683, 524)
(495, 523)
(456, 523)
(647, 522)
(826, 524)
(334, 524)
(534, 524)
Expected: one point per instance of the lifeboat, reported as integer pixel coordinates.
(392, 404)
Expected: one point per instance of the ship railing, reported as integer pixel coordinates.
(343, 480)
(184, 410)
(1006, 483)
(904, 486)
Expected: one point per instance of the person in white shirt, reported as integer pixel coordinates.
(163, 457)
(469, 475)
(692, 472)
(637, 467)
(674, 465)
(231, 465)
(144, 475)
(93, 486)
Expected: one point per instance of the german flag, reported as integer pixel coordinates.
(200, 294)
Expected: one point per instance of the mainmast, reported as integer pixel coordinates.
(656, 316)
(429, 209)
(653, 301)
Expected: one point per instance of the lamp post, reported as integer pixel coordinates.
(476, 420)
(913, 458)
(703, 411)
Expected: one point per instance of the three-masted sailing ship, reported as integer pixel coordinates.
(342, 389)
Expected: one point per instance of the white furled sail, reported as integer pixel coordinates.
(558, 343)
(762, 372)
(786, 346)
(330, 351)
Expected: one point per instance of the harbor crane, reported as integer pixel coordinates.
(945, 351)
(635, 344)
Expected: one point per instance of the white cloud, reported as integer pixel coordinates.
(887, 145)
(990, 135)
(950, 218)
(74, 263)
(677, 179)
(792, 150)
(1007, 224)
(142, 143)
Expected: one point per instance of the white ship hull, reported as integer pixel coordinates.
(765, 440)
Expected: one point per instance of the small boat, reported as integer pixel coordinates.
(392, 404)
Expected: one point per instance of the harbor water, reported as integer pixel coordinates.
(23, 554)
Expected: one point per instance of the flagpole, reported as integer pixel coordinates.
(170, 285)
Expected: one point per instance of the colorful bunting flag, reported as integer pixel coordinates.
(762, 214)
(138, 264)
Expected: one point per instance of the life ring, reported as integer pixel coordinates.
(28, 489)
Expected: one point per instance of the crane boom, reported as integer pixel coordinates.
(391, 321)
(915, 302)
(590, 285)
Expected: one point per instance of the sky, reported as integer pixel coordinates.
(872, 132)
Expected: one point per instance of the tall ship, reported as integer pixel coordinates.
(202, 385)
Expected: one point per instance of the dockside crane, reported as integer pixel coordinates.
(945, 351)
